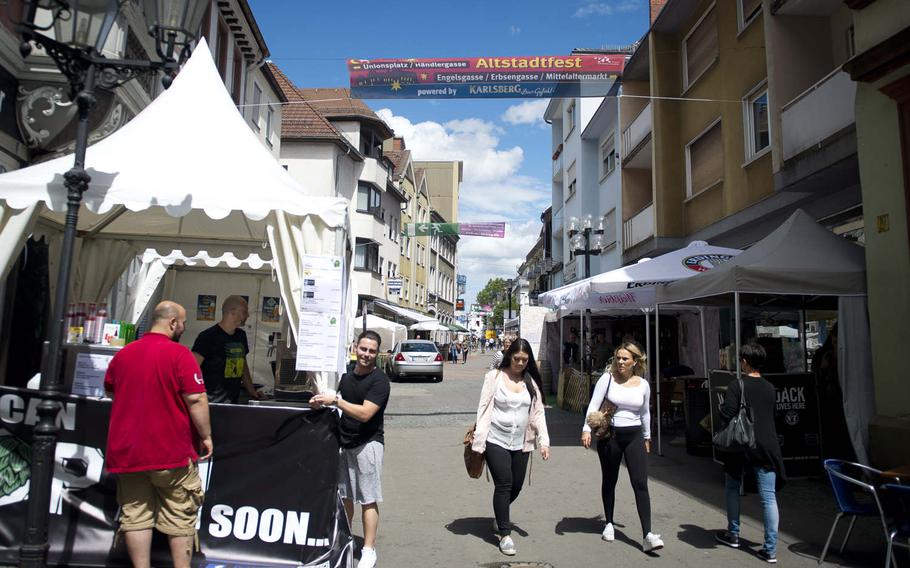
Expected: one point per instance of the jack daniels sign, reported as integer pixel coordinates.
(271, 494)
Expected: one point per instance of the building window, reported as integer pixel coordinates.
(572, 181)
(610, 229)
(366, 255)
(700, 48)
(370, 144)
(705, 160)
(607, 157)
(255, 114)
(369, 200)
(269, 116)
(755, 118)
(570, 118)
(236, 72)
(747, 10)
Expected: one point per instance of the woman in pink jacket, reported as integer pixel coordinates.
(510, 423)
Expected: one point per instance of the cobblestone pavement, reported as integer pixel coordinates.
(434, 515)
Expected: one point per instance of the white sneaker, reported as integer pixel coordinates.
(506, 546)
(652, 542)
(609, 534)
(367, 558)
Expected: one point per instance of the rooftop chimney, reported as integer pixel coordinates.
(398, 144)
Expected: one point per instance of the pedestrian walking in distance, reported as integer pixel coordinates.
(160, 408)
(510, 423)
(631, 438)
(362, 396)
(498, 356)
(766, 460)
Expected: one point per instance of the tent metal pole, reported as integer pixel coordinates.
(581, 339)
(738, 330)
(704, 339)
(647, 312)
(802, 340)
(562, 344)
(657, 375)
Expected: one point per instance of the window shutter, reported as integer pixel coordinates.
(706, 160)
(701, 47)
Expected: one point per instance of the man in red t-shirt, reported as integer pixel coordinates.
(160, 409)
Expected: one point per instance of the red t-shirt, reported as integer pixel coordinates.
(150, 424)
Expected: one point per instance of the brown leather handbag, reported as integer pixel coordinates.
(473, 461)
(601, 421)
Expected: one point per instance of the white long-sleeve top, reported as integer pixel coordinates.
(633, 404)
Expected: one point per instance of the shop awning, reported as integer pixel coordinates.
(430, 325)
(404, 312)
(458, 328)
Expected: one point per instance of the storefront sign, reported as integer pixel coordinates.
(486, 77)
(270, 492)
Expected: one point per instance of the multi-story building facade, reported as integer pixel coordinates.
(441, 281)
(741, 124)
(240, 53)
(585, 142)
(333, 145)
(880, 65)
(443, 182)
(415, 209)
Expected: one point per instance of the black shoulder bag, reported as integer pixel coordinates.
(739, 433)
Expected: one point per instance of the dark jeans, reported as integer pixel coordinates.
(628, 442)
(507, 468)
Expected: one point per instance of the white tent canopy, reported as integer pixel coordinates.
(429, 325)
(633, 286)
(390, 332)
(405, 313)
(187, 169)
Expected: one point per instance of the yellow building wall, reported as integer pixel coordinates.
(887, 268)
(740, 67)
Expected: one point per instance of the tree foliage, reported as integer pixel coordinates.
(494, 294)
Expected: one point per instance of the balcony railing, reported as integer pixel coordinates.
(638, 228)
(817, 113)
(557, 168)
(636, 132)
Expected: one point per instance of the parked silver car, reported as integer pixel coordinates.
(416, 358)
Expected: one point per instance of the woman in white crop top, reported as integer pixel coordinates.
(623, 384)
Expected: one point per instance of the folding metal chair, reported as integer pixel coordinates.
(897, 503)
(845, 488)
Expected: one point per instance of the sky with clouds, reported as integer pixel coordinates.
(504, 143)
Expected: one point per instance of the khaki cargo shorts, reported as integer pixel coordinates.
(165, 499)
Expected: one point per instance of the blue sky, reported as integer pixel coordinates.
(504, 143)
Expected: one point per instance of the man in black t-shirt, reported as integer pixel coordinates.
(221, 352)
(362, 396)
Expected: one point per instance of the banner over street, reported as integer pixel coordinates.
(576, 75)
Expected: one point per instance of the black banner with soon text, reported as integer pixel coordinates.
(270, 490)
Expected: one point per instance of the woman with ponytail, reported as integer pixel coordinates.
(624, 385)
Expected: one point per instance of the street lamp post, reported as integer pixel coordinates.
(73, 34)
(583, 244)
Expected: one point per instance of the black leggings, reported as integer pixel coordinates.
(626, 441)
(507, 468)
